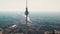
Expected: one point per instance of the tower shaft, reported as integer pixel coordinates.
(26, 32)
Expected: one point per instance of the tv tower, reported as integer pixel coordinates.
(26, 13)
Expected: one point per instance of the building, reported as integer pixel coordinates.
(1, 31)
(50, 32)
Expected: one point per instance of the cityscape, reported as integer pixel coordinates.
(10, 24)
(30, 22)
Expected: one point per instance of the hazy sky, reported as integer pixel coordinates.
(34, 5)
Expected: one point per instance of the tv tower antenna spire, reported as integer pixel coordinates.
(26, 13)
(26, 3)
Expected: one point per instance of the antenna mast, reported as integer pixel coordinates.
(26, 3)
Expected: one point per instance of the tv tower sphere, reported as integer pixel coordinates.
(26, 12)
